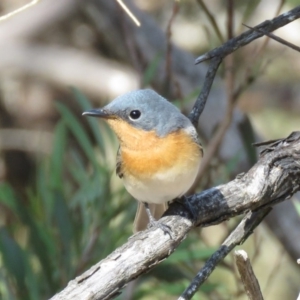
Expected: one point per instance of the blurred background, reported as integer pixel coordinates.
(62, 208)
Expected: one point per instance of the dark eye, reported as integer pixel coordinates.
(134, 114)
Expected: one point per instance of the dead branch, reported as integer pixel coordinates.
(129, 13)
(19, 10)
(273, 179)
(278, 39)
(237, 237)
(41, 16)
(250, 35)
(248, 277)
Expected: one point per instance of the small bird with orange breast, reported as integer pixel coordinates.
(159, 154)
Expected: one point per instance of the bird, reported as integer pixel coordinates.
(159, 153)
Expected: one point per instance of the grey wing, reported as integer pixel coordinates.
(119, 164)
(196, 139)
(199, 144)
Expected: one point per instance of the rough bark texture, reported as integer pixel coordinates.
(273, 179)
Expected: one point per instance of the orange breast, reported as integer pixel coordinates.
(143, 153)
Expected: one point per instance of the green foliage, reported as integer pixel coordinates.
(66, 221)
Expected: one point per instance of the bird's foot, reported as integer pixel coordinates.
(154, 223)
(165, 228)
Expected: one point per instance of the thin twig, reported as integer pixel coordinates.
(250, 78)
(202, 98)
(212, 20)
(238, 236)
(132, 51)
(276, 38)
(248, 277)
(129, 13)
(230, 19)
(266, 41)
(250, 35)
(216, 140)
(17, 11)
(168, 70)
(214, 143)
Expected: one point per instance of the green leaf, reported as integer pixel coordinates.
(57, 158)
(41, 243)
(64, 224)
(13, 258)
(7, 197)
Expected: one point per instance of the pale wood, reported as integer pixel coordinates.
(248, 277)
(274, 178)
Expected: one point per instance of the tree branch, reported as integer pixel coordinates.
(274, 178)
(202, 98)
(250, 35)
(238, 236)
(248, 277)
(277, 39)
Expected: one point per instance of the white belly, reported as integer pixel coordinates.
(163, 186)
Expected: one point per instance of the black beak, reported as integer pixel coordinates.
(100, 113)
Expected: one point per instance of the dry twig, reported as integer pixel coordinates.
(276, 38)
(248, 277)
(211, 19)
(202, 98)
(243, 230)
(216, 55)
(129, 13)
(250, 35)
(168, 71)
(19, 10)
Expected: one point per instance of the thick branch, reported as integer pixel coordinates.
(274, 178)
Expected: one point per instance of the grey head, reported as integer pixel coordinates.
(145, 109)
